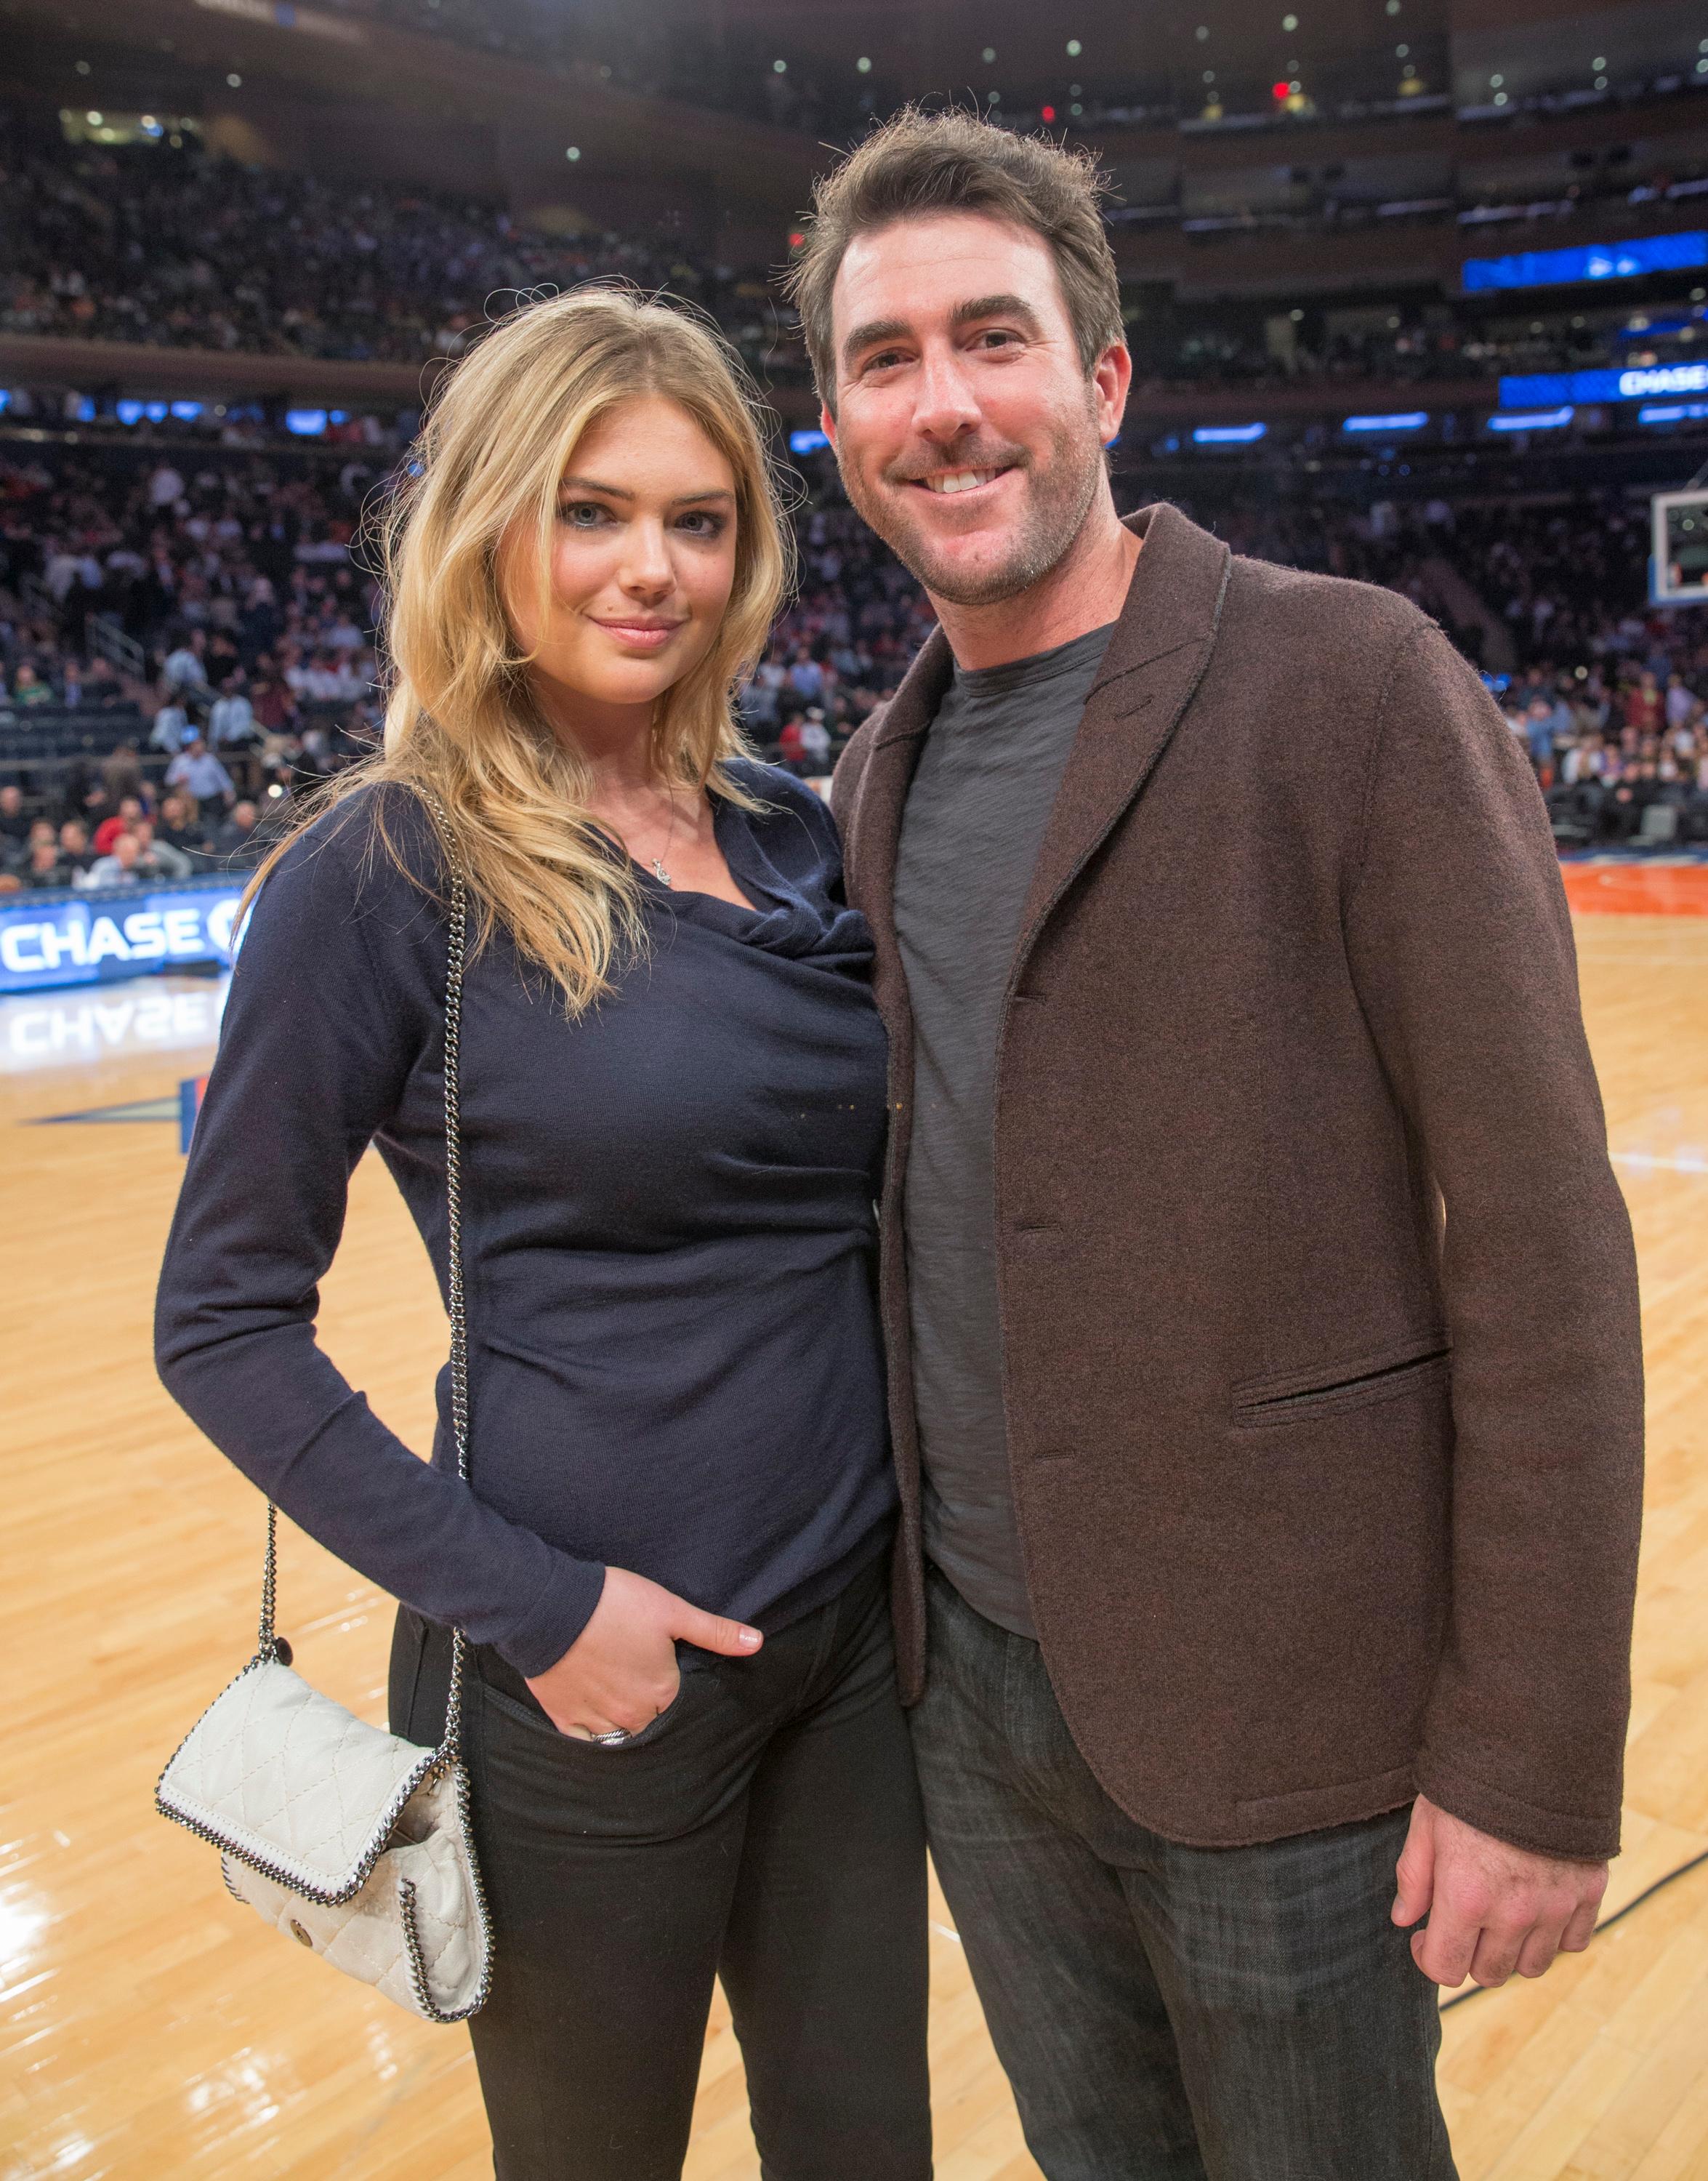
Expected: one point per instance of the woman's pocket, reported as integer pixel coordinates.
(680, 1770)
(531, 1715)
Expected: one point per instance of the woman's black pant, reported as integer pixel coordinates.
(765, 1828)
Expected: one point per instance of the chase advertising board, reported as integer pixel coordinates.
(87, 939)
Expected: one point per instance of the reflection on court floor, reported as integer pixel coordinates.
(89, 1023)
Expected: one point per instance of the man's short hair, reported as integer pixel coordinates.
(919, 164)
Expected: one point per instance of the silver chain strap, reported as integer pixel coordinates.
(455, 961)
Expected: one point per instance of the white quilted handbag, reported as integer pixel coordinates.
(351, 1841)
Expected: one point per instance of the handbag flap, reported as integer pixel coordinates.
(291, 1783)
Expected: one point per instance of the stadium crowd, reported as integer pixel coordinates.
(181, 249)
(201, 629)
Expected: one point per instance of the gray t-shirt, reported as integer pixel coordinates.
(975, 815)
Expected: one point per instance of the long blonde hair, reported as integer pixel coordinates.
(461, 727)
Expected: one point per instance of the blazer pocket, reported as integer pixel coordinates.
(1338, 1389)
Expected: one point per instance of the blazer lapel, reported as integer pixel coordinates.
(1156, 660)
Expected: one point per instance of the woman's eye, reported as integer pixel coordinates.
(581, 514)
(699, 524)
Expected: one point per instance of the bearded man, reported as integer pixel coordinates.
(1265, 1375)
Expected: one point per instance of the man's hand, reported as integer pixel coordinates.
(1492, 1908)
(620, 1671)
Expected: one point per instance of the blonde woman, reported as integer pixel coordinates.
(687, 1754)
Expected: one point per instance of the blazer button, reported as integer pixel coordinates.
(297, 1933)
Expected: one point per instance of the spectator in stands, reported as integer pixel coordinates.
(165, 487)
(184, 672)
(177, 826)
(815, 741)
(159, 859)
(196, 770)
(71, 685)
(122, 820)
(119, 867)
(16, 852)
(46, 866)
(270, 700)
(14, 824)
(29, 690)
(74, 849)
(1643, 704)
(103, 691)
(171, 729)
(239, 841)
(1538, 736)
(231, 717)
(121, 773)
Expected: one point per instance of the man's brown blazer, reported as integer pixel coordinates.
(1320, 1351)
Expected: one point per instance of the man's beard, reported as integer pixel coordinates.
(1061, 492)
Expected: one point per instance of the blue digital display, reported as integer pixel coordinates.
(1603, 261)
(87, 939)
(1531, 420)
(1407, 420)
(806, 443)
(1227, 435)
(1642, 382)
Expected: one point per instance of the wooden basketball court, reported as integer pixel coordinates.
(154, 2029)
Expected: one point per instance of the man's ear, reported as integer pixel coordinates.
(827, 424)
(1111, 376)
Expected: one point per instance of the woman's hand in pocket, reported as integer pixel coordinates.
(620, 1671)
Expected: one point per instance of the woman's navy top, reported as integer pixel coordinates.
(668, 1233)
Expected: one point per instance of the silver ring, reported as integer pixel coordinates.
(610, 1741)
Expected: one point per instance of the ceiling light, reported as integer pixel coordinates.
(1200, 34)
(779, 68)
(1074, 49)
(1290, 22)
(864, 65)
(1598, 65)
(1496, 81)
(235, 81)
(574, 152)
(988, 54)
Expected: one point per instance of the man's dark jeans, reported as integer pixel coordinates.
(1167, 2013)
